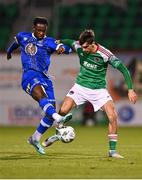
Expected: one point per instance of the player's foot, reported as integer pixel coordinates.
(64, 119)
(115, 155)
(36, 145)
(49, 141)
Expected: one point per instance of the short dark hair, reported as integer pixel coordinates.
(87, 36)
(40, 20)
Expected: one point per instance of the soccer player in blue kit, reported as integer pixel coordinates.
(36, 49)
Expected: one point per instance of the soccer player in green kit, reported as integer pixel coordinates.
(90, 84)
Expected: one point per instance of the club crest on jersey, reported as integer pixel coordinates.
(31, 49)
(96, 59)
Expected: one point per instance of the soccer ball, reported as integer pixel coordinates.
(66, 134)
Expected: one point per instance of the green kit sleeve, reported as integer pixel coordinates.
(122, 68)
(68, 42)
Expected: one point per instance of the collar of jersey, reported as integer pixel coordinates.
(35, 37)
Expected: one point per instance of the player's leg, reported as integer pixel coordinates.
(46, 104)
(34, 140)
(32, 84)
(49, 141)
(47, 121)
(67, 105)
(38, 86)
(110, 110)
(73, 98)
(101, 99)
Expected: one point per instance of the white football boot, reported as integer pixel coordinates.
(49, 141)
(114, 154)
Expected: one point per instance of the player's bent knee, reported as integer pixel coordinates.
(63, 111)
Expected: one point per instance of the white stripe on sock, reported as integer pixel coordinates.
(44, 124)
(57, 117)
(46, 106)
(112, 137)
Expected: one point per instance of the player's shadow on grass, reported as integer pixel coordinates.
(4, 156)
(75, 155)
(20, 155)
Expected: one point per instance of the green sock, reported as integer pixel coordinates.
(112, 145)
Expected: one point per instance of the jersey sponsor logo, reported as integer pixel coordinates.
(31, 49)
(89, 65)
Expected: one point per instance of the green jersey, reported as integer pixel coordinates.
(93, 67)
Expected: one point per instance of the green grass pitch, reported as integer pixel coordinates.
(85, 157)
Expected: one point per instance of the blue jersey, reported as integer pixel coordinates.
(35, 57)
(35, 53)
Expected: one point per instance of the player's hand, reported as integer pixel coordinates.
(132, 96)
(9, 56)
(61, 50)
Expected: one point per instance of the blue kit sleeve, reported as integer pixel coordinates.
(67, 49)
(12, 47)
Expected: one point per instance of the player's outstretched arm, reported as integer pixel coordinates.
(68, 42)
(11, 48)
(131, 93)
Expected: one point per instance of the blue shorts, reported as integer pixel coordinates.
(31, 78)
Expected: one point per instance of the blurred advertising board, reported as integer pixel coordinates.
(129, 114)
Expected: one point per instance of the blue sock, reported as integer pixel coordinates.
(47, 107)
(45, 123)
